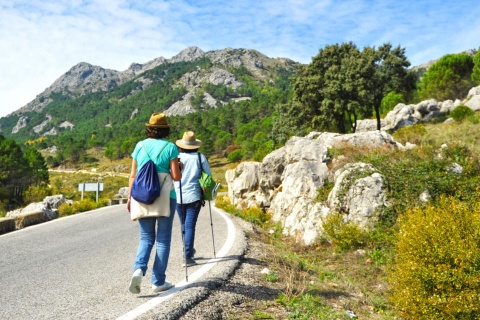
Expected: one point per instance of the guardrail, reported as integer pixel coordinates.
(22, 220)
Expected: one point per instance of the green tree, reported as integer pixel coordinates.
(14, 171)
(476, 68)
(36, 162)
(331, 89)
(388, 73)
(390, 101)
(449, 78)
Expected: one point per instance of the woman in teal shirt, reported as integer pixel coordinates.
(159, 214)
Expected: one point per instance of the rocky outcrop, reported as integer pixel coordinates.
(288, 180)
(359, 193)
(406, 115)
(21, 123)
(48, 207)
(473, 99)
(39, 128)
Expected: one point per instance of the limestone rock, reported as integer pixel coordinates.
(288, 180)
(359, 193)
(39, 128)
(21, 123)
(49, 206)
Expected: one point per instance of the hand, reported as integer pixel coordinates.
(181, 166)
(128, 204)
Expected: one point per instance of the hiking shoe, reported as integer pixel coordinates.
(190, 262)
(164, 287)
(136, 281)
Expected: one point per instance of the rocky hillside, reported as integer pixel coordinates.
(85, 79)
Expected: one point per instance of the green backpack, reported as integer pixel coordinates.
(208, 186)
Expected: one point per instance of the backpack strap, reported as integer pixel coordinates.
(143, 145)
(200, 160)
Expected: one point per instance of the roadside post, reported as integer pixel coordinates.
(90, 187)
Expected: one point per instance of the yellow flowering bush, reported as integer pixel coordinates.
(436, 268)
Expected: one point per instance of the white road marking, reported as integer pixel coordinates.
(191, 278)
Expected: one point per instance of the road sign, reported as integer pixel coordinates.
(90, 187)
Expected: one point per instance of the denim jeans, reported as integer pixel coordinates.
(191, 212)
(163, 238)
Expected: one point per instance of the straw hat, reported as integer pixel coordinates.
(189, 141)
(158, 120)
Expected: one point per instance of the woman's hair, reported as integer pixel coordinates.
(157, 133)
(186, 150)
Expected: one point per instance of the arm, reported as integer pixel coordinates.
(133, 174)
(205, 164)
(175, 169)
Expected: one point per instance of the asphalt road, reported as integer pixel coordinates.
(79, 267)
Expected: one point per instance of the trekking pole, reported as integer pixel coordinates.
(182, 223)
(214, 196)
(211, 225)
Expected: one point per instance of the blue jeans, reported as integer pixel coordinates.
(163, 238)
(191, 212)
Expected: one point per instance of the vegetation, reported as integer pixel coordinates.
(435, 273)
(19, 171)
(344, 84)
(462, 113)
(448, 78)
(476, 68)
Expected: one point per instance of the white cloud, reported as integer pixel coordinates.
(41, 40)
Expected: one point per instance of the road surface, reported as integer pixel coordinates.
(79, 267)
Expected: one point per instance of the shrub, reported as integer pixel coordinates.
(80, 206)
(462, 113)
(436, 268)
(412, 134)
(235, 156)
(343, 235)
(36, 194)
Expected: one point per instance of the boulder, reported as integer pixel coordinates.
(288, 180)
(358, 193)
(48, 207)
(122, 193)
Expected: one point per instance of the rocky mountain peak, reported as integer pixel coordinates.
(188, 54)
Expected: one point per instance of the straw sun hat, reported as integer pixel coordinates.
(158, 120)
(189, 141)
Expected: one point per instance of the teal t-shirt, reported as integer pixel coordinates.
(161, 157)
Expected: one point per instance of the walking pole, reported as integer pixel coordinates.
(182, 223)
(211, 225)
(214, 195)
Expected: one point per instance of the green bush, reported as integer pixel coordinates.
(462, 113)
(436, 268)
(412, 134)
(235, 156)
(390, 101)
(343, 235)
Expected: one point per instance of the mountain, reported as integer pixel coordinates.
(191, 81)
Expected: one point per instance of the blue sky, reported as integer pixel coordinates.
(42, 39)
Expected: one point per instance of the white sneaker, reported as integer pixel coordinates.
(164, 287)
(136, 281)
